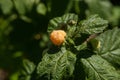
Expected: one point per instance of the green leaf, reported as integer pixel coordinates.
(115, 18)
(27, 70)
(101, 7)
(94, 24)
(14, 76)
(22, 6)
(96, 68)
(29, 4)
(105, 10)
(19, 5)
(57, 66)
(6, 6)
(62, 22)
(110, 45)
(41, 9)
(81, 47)
(28, 66)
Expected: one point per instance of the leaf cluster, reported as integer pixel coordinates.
(97, 55)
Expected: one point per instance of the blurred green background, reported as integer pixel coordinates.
(23, 27)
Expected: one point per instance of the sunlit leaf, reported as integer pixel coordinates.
(110, 45)
(57, 66)
(96, 68)
(62, 22)
(41, 9)
(94, 24)
(6, 6)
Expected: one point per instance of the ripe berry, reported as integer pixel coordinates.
(57, 37)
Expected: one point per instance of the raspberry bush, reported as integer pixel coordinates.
(59, 40)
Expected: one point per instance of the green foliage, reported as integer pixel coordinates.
(94, 24)
(62, 22)
(90, 51)
(27, 70)
(57, 66)
(54, 65)
(41, 9)
(6, 6)
(96, 68)
(105, 9)
(109, 45)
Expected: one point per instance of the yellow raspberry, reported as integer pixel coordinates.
(57, 37)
